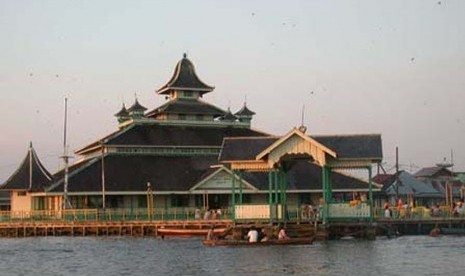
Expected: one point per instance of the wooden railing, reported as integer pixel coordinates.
(141, 214)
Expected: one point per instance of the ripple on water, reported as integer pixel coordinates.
(408, 255)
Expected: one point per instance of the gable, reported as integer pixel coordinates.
(220, 180)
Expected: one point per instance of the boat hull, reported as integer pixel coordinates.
(189, 232)
(295, 241)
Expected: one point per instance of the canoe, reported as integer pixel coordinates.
(293, 241)
(189, 231)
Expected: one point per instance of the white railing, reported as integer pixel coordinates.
(258, 211)
(346, 210)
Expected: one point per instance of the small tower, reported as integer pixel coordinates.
(229, 117)
(122, 115)
(185, 83)
(183, 92)
(136, 111)
(245, 115)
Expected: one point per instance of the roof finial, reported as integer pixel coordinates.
(184, 55)
(245, 100)
(303, 128)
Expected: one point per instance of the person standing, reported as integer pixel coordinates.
(207, 215)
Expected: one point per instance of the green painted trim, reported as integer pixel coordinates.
(240, 187)
(270, 193)
(233, 196)
(370, 193)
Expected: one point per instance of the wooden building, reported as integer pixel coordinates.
(172, 152)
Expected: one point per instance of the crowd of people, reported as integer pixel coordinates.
(403, 210)
(208, 215)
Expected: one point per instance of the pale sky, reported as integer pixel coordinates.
(391, 67)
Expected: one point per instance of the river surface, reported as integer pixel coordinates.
(407, 255)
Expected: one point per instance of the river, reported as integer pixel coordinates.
(407, 255)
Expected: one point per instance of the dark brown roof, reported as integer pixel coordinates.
(244, 111)
(163, 135)
(228, 116)
(186, 106)
(123, 112)
(354, 146)
(137, 107)
(244, 148)
(31, 174)
(131, 173)
(185, 78)
(432, 172)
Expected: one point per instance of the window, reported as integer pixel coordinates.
(179, 200)
(182, 116)
(22, 193)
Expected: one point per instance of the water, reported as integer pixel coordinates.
(408, 255)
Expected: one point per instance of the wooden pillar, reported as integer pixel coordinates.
(370, 193)
(276, 188)
(233, 196)
(270, 193)
(240, 187)
(325, 194)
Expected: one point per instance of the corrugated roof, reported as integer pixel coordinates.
(131, 173)
(163, 135)
(244, 148)
(353, 146)
(409, 185)
(431, 171)
(347, 146)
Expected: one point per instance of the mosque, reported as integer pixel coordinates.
(184, 152)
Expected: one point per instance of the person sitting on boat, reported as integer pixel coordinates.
(252, 235)
(282, 235)
(459, 210)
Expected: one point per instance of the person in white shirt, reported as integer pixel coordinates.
(252, 235)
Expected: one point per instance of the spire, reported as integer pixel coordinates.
(185, 78)
(123, 114)
(136, 111)
(244, 111)
(244, 114)
(229, 116)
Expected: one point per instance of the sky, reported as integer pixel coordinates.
(390, 67)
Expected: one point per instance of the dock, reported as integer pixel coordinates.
(100, 228)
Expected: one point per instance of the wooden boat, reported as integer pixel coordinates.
(292, 241)
(452, 231)
(189, 231)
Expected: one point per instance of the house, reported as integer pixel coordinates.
(405, 186)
